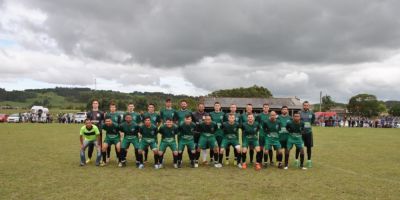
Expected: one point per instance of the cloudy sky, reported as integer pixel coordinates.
(294, 48)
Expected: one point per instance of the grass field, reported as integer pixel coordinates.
(40, 161)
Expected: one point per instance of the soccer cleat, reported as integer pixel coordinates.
(141, 166)
(309, 164)
(192, 165)
(205, 162)
(196, 165)
(239, 166)
(286, 168)
(296, 163)
(218, 165)
(303, 168)
(82, 164)
(156, 166)
(120, 164)
(102, 164)
(88, 161)
(107, 160)
(137, 164)
(176, 166)
(258, 166)
(160, 166)
(244, 166)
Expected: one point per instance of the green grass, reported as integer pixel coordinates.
(40, 161)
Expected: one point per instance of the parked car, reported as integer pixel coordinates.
(79, 117)
(13, 118)
(3, 117)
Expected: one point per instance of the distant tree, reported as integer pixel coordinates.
(365, 105)
(327, 103)
(395, 110)
(250, 92)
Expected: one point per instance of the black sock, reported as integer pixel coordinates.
(297, 153)
(259, 157)
(180, 155)
(137, 155)
(271, 155)
(123, 154)
(156, 159)
(227, 151)
(251, 155)
(192, 156)
(161, 158)
(104, 156)
(265, 157)
(301, 159)
(309, 153)
(90, 150)
(108, 151)
(146, 153)
(176, 158)
(286, 159)
(215, 157)
(118, 156)
(211, 153)
(279, 157)
(197, 155)
(244, 157)
(221, 156)
(140, 158)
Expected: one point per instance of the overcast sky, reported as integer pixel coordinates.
(294, 48)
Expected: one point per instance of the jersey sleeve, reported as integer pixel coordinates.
(82, 131)
(96, 130)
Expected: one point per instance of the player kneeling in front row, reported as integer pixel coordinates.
(112, 138)
(295, 129)
(148, 132)
(231, 137)
(250, 139)
(168, 132)
(89, 135)
(271, 128)
(207, 131)
(186, 138)
(131, 136)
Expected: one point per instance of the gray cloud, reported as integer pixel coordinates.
(165, 33)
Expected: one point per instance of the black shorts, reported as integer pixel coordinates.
(308, 140)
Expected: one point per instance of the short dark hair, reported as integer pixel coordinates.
(249, 104)
(131, 103)
(265, 104)
(168, 119)
(305, 102)
(151, 104)
(168, 100)
(284, 107)
(217, 103)
(87, 119)
(95, 100)
(112, 103)
(188, 116)
(183, 100)
(146, 117)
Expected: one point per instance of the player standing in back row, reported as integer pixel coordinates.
(97, 118)
(307, 117)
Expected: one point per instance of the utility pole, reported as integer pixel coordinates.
(320, 101)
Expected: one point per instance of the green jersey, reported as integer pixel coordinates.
(207, 130)
(168, 132)
(135, 117)
(115, 117)
(231, 131)
(295, 129)
(90, 134)
(218, 118)
(148, 132)
(262, 117)
(237, 117)
(250, 130)
(130, 130)
(308, 118)
(181, 114)
(283, 120)
(154, 118)
(186, 131)
(271, 128)
(112, 131)
(166, 113)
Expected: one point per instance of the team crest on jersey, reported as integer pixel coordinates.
(310, 116)
(221, 117)
(154, 118)
(98, 115)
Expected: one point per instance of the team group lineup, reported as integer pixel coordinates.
(198, 131)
